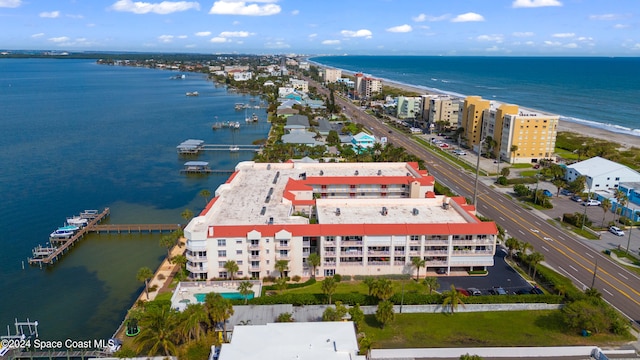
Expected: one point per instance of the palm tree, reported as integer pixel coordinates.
(193, 318)
(282, 266)
(559, 184)
(205, 194)
(232, 267)
(513, 150)
(179, 260)
(384, 313)
(158, 334)
(187, 215)
(281, 283)
(245, 289)
(219, 310)
(534, 259)
(453, 298)
(371, 283)
(314, 261)
(624, 200)
(524, 247)
(168, 241)
(143, 275)
(329, 286)
(593, 292)
(417, 263)
(606, 206)
(512, 244)
(383, 289)
(431, 282)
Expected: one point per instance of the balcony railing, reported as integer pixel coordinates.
(195, 258)
(351, 253)
(306, 243)
(283, 246)
(282, 257)
(329, 264)
(378, 252)
(197, 269)
(351, 242)
(254, 246)
(378, 263)
(350, 263)
(329, 253)
(254, 257)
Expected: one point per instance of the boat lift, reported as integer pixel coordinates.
(31, 327)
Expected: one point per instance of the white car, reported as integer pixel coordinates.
(616, 230)
(591, 203)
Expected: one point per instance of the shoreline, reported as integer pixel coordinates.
(625, 140)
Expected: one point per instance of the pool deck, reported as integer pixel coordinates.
(185, 292)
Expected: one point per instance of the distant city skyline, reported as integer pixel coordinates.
(374, 27)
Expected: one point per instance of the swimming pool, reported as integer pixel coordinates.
(229, 295)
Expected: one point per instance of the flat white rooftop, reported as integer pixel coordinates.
(241, 201)
(293, 341)
(398, 211)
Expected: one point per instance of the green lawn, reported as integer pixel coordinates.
(346, 287)
(482, 329)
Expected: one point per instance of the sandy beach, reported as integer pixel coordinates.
(624, 140)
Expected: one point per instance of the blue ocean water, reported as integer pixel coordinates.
(77, 135)
(599, 92)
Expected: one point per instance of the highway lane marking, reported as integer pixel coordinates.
(520, 231)
(571, 276)
(516, 210)
(537, 223)
(589, 255)
(561, 238)
(607, 291)
(503, 219)
(626, 278)
(545, 249)
(576, 270)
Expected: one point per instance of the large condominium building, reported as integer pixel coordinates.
(332, 75)
(366, 86)
(442, 111)
(409, 107)
(360, 218)
(521, 135)
(301, 85)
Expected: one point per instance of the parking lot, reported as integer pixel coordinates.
(500, 275)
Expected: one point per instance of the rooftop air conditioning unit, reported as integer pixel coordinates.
(384, 211)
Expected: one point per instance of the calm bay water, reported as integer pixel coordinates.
(77, 135)
(599, 92)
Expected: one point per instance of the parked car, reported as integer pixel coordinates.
(591, 202)
(576, 198)
(459, 152)
(616, 230)
(474, 291)
(547, 193)
(441, 271)
(462, 291)
(497, 290)
(536, 291)
(565, 192)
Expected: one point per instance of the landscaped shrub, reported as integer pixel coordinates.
(290, 286)
(388, 276)
(502, 180)
(337, 278)
(522, 180)
(577, 219)
(296, 278)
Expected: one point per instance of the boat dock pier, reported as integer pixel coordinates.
(194, 147)
(49, 254)
(45, 255)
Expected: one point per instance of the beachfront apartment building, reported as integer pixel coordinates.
(409, 107)
(366, 86)
(300, 85)
(331, 75)
(521, 135)
(442, 111)
(360, 218)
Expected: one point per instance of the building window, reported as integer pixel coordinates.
(239, 262)
(330, 238)
(238, 252)
(222, 242)
(222, 253)
(415, 237)
(221, 263)
(239, 273)
(238, 241)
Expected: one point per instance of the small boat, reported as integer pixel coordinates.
(254, 117)
(238, 106)
(235, 125)
(217, 126)
(61, 234)
(193, 93)
(73, 228)
(77, 221)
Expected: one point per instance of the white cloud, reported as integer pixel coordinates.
(605, 17)
(585, 38)
(311, 36)
(494, 37)
(165, 38)
(238, 7)
(331, 42)
(59, 39)
(571, 46)
(277, 45)
(203, 33)
(358, 33)
(425, 17)
(228, 34)
(530, 43)
(535, 3)
(564, 35)
(419, 18)
(10, 3)
(74, 16)
(190, 46)
(400, 29)
(620, 26)
(295, 12)
(493, 48)
(163, 8)
(523, 34)
(552, 43)
(219, 40)
(37, 35)
(470, 16)
(182, 36)
(235, 23)
(49, 14)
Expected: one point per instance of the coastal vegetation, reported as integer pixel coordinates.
(575, 147)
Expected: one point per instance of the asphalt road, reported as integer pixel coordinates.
(562, 251)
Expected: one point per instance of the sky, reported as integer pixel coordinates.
(331, 27)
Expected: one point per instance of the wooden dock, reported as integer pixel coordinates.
(48, 255)
(133, 228)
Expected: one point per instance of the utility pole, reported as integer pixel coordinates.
(630, 227)
(584, 215)
(595, 271)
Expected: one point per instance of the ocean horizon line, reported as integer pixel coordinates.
(590, 123)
